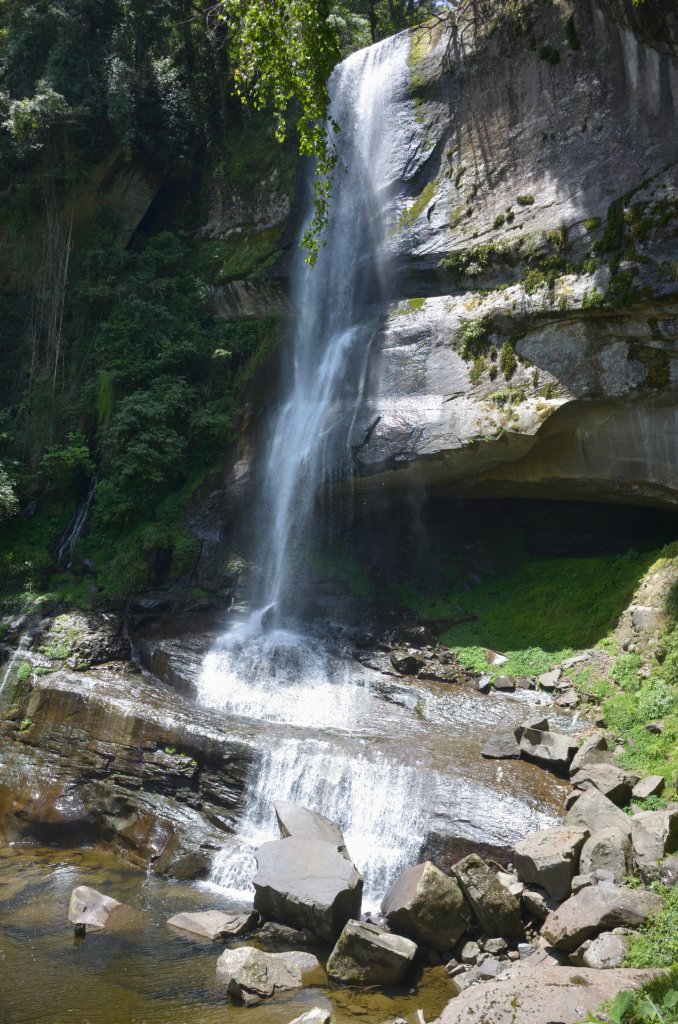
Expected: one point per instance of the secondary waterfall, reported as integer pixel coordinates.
(328, 738)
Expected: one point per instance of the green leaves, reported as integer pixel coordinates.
(283, 53)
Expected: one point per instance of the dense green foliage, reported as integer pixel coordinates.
(655, 1003)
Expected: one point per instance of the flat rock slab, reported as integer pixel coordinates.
(295, 820)
(501, 744)
(367, 955)
(307, 883)
(428, 906)
(549, 749)
(252, 975)
(315, 1016)
(91, 908)
(615, 783)
(550, 858)
(651, 785)
(213, 924)
(524, 996)
(595, 910)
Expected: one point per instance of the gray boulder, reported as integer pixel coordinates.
(294, 820)
(542, 724)
(501, 744)
(252, 975)
(279, 936)
(654, 834)
(506, 684)
(214, 924)
(592, 751)
(495, 908)
(90, 909)
(607, 849)
(594, 811)
(548, 680)
(307, 883)
(596, 910)
(550, 858)
(651, 785)
(367, 955)
(428, 906)
(603, 953)
(613, 782)
(549, 749)
(538, 902)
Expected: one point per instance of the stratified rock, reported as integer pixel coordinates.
(541, 996)
(594, 811)
(597, 910)
(592, 751)
(607, 849)
(90, 908)
(214, 924)
(654, 834)
(501, 744)
(549, 749)
(497, 911)
(603, 953)
(428, 906)
(367, 955)
(306, 883)
(651, 785)
(550, 858)
(613, 782)
(294, 820)
(252, 975)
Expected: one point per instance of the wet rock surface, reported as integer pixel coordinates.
(428, 906)
(252, 975)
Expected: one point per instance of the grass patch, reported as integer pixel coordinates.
(657, 945)
(538, 613)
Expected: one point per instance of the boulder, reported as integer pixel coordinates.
(550, 858)
(613, 782)
(495, 947)
(367, 955)
(470, 952)
(524, 683)
(501, 744)
(603, 953)
(428, 906)
(294, 820)
(596, 910)
(651, 785)
(490, 968)
(568, 699)
(538, 902)
(592, 751)
(594, 811)
(214, 924)
(252, 975)
(541, 996)
(90, 909)
(307, 883)
(607, 849)
(406, 663)
(505, 684)
(653, 834)
(548, 680)
(669, 871)
(315, 1016)
(549, 749)
(279, 936)
(530, 723)
(496, 909)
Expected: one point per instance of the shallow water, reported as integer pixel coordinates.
(149, 974)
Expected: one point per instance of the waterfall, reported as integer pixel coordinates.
(71, 535)
(262, 670)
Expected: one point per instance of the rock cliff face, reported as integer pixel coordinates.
(531, 345)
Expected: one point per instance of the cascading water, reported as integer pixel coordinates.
(328, 740)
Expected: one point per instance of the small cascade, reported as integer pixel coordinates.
(382, 835)
(72, 533)
(24, 643)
